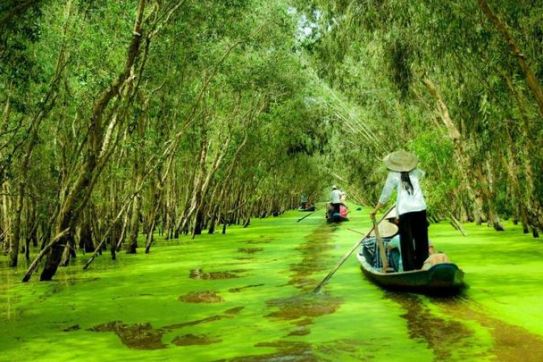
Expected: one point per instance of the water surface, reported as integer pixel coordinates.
(246, 296)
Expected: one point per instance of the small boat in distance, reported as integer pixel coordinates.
(332, 216)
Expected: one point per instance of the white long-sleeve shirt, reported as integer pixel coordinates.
(335, 197)
(405, 202)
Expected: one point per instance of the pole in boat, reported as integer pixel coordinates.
(346, 256)
(380, 244)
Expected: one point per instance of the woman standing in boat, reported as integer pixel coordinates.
(404, 176)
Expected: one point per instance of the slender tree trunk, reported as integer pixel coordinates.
(6, 210)
(136, 208)
(460, 153)
(530, 76)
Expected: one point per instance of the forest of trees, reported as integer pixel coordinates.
(124, 119)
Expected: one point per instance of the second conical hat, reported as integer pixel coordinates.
(386, 229)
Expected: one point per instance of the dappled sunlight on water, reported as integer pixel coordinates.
(446, 337)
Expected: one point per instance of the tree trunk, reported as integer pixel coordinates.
(79, 193)
(460, 152)
(85, 235)
(530, 76)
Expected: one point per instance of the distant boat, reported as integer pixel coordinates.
(332, 216)
(444, 278)
(307, 208)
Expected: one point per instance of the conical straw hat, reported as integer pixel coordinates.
(386, 229)
(401, 161)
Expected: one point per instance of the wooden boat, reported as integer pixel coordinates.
(444, 278)
(307, 208)
(335, 217)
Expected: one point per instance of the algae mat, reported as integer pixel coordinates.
(246, 296)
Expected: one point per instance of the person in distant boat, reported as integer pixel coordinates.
(435, 257)
(303, 201)
(335, 199)
(404, 176)
(343, 211)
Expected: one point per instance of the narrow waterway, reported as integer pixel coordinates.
(246, 296)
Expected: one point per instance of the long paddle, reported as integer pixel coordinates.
(300, 219)
(346, 256)
(380, 244)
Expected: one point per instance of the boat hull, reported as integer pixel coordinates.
(336, 218)
(442, 278)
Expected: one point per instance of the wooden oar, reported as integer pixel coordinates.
(356, 231)
(380, 244)
(306, 216)
(346, 256)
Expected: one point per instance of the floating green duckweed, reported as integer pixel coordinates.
(206, 300)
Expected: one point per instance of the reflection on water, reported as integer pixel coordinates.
(313, 261)
(305, 305)
(511, 343)
(302, 308)
(200, 274)
(261, 241)
(250, 250)
(191, 339)
(450, 338)
(207, 296)
(286, 351)
(444, 337)
(144, 336)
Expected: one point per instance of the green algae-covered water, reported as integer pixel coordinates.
(246, 296)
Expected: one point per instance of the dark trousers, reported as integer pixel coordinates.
(413, 239)
(336, 208)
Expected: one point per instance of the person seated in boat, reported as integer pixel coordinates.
(303, 201)
(389, 233)
(393, 245)
(343, 211)
(394, 253)
(435, 257)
